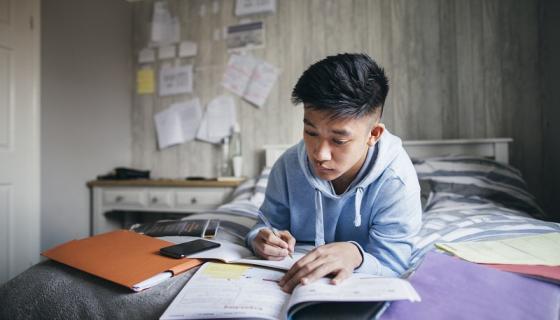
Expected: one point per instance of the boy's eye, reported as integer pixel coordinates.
(309, 133)
(340, 142)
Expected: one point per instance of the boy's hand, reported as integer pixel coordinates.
(338, 258)
(270, 247)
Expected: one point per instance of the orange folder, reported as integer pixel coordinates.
(121, 256)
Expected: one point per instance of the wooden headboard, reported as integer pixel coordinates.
(495, 148)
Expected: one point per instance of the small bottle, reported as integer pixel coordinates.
(235, 151)
(225, 170)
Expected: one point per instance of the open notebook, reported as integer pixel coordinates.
(239, 291)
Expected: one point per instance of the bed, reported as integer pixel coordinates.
(469, 192)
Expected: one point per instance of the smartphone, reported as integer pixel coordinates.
(184, 249)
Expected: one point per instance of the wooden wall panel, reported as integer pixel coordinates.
(458, 69)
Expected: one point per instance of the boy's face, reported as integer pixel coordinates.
(338, 148)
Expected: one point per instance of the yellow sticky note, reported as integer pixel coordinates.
(145, 81)
(224, 271)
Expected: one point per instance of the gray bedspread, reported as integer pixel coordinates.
(50, 290)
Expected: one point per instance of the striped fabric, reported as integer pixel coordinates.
(453, 220)
(476, 179)
(248, 197)
(472, 199)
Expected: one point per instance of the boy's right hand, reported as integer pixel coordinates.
(268, 246)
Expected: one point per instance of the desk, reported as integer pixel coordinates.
(159, 195)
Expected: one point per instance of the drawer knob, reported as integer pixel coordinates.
(154, 200)
(119, 199)
(193, 201)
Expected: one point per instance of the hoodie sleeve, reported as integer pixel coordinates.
(395, 222)
(275, 206)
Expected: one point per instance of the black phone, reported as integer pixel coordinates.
(184, 249)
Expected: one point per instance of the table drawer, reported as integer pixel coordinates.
(124, 197)
(160, 199)
(203, 198)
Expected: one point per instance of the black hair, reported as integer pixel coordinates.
(345, 85)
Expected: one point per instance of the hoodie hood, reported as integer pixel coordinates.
(379, 157)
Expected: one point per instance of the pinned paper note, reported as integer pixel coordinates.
(175, 80)
(250, 78)
(219, 118)
(246, 7)
(168, 128)
(188, 49)
(238, 73)
(165, 28)
(146, 55)
(145, 81)
(262, 81)
(178, 123)
(245, 36)
(190, 114)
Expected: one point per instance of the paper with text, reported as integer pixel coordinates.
(253, 292)
(541, 249)
(218, 120)
(238, 73)
(175, 80)
(168, 128)
(262, 81)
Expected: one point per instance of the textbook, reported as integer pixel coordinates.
(220, 290)
(123, 257)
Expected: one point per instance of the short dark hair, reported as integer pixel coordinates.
(346, 85)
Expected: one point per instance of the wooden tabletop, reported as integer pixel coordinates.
(211, 183)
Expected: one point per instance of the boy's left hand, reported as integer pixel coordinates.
(338, 258)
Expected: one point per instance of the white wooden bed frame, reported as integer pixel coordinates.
(495, 148)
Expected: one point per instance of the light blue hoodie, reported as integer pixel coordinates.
(380, 212)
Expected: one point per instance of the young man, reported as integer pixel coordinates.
(349, 187)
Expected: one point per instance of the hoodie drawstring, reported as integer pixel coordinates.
(358, 207)
(319, 227)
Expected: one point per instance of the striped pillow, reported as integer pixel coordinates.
(476, 179)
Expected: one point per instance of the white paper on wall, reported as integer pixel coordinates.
(246, 7)
(188, 49)
(189, 114)
(175, 80)
(238, 73)
(261, 83)
(168, 128)
(245, 36)
(219, 118)
(165, 28)
(146, 55)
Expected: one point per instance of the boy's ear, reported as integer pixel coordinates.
(376, 133)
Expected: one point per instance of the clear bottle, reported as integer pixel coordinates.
(225, 170)
(235, 151)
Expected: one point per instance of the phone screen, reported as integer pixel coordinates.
(187, 248)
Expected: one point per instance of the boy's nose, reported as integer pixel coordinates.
(323, 152)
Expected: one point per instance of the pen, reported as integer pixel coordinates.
(268, 225)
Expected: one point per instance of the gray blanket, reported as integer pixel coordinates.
(50, 290)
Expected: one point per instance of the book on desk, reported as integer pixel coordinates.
(220, 290)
